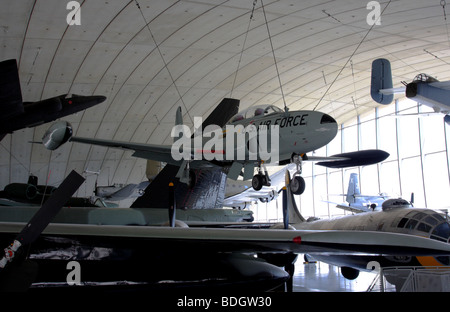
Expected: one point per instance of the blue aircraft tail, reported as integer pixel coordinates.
(353, 188)
(381, 79)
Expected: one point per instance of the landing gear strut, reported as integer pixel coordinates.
(261, 179)
(297, 183)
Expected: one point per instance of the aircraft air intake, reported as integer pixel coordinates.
(58, 134)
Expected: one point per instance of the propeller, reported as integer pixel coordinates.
(285, 209)
(172, 205)
(38, 223)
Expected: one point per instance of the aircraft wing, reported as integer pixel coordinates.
(388, 91)
(212, 240)
(351, 209)
(142, 150)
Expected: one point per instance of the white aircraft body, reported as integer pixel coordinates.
(358, 202)
(240, 194)
(117, 192)
(299, 132)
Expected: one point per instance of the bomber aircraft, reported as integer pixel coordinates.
(396, 222)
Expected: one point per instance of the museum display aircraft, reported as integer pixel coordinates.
(148, 254)
(424, 89)
(397, 219)
(117, 192)
(358, 202)
(240, 194)
(292, 135)
(15, 114)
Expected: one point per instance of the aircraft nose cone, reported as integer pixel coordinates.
(98, 98)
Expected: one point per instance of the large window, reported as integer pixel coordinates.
(418, 163)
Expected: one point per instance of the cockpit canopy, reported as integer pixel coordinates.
(255, 111)
(424, 78)
(427, 221)
(394, 203)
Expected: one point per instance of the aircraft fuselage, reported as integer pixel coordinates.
(295, 132)
(412, 221)
(40, 112)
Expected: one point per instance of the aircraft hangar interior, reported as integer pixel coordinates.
(356, 97)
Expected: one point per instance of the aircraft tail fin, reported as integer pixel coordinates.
(178, 122)
(381, 80)
(353, 188)
(10, 93)
(226, 109)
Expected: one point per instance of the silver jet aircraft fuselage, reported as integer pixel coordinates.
(299, 131)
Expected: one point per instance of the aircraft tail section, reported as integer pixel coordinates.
(353, 188)
(381, 80)
(10, 93)
(209, 188)
(178, 122)
(226, 109)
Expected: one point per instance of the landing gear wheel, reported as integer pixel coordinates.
(297, 185)
(257, 182)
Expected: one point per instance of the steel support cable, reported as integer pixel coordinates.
(243, 48)
(274, 58)
(351, 56)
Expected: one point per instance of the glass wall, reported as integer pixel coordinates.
(418, 163)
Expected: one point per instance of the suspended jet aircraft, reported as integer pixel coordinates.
(292, 134)
(15, 114)
(424, 89)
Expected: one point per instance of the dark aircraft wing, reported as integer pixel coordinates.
(142, 150)
(245, 240)
(227, 108)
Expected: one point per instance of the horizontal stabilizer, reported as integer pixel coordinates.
(381, 79)
(10, 92)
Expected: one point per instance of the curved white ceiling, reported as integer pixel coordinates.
(132, 55)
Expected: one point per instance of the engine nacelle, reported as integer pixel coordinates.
(58, 134)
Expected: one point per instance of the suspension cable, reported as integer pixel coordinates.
(274, 58)
(351, 56)
(164, 61)
(243, 47)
